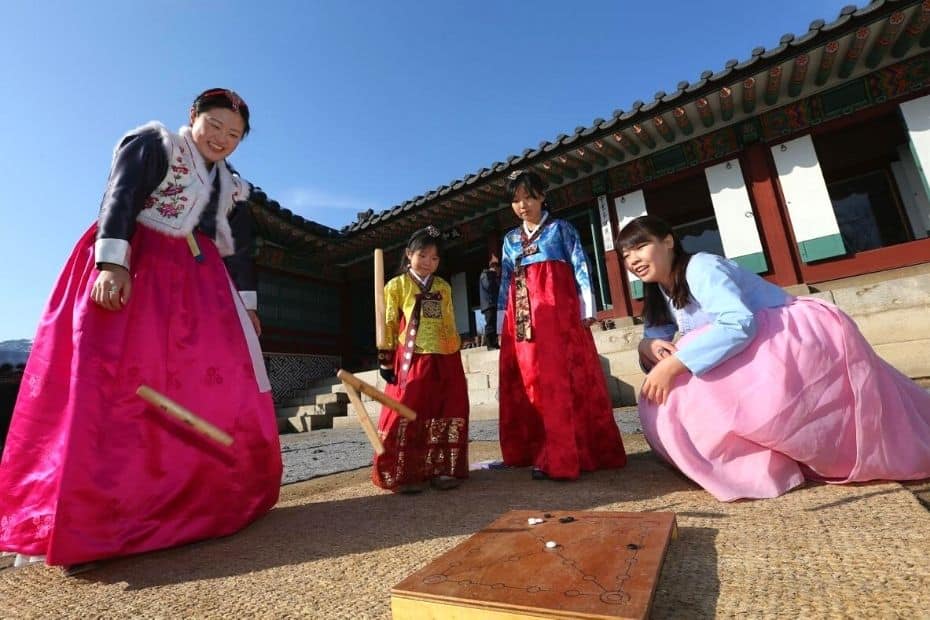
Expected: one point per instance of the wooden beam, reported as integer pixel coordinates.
(643, 136)
(608, 150)
(726, 103)
(749, 95)
(569, 160)
(447, 206)
(773, 85)
(798, 74)
(854, 52)
(664, 129)
(555, 166)
(494, 193)
(827, 59)
(682, 121)
(589, 154)
(462, 204)
(705, 112)
(554, 179)
(888, 35)
(474, 202)
(913, 31)
(625, 142)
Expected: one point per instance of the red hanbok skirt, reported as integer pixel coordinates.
(436, 443)
(90, 470)
(555, 411)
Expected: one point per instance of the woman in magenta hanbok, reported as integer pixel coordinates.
(763, 390)
(160, 291)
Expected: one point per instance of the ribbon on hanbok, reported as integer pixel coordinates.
(522, 314)
(427, 304)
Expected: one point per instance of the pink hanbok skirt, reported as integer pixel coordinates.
(809, 398)
(90, 470)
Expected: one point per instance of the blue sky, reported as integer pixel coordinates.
(355, 104)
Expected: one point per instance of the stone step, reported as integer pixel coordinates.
(304, 422)
(351, 419)
(482, 397)
(331, 409)
(301, 398)
(477, 381)
(322, 394)
(332, 397)
(332, 385)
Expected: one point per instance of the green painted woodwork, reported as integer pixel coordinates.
(821, 247)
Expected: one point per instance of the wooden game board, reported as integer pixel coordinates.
(604, 565)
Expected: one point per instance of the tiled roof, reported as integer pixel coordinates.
(260, 198)
(819, 32)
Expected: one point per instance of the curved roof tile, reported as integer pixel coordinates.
(818, 32)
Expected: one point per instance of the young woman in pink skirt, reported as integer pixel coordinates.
(763, 390)
(160, 291)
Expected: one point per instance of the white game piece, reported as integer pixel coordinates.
(551, 544)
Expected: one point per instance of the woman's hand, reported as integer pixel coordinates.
(654, 350)
(658, 382)
(112, 288)
(256, 323)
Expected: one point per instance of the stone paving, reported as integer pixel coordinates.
(330, 451)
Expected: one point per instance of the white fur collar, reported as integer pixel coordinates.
(201, 189)
(224, 201)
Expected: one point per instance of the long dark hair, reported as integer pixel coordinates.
(642, 230)
(222, 98)
(419, 240)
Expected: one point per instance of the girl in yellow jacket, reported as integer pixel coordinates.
(423, 369)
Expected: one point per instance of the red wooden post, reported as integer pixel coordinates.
(766, 197)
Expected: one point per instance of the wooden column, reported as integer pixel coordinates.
(626, 208)
(619, 298)
(619, 295)
(777, 238)
(495, 243)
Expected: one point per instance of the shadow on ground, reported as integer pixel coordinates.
(291, 535)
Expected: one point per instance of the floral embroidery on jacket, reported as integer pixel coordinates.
(174, 203)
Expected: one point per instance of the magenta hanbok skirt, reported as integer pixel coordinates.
(90, 470)
(808, 398)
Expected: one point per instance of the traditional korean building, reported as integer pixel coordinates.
(807, 163)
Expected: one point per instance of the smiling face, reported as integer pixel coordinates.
(424, 261)
(651, 259)
(217, 132)
(526, 205)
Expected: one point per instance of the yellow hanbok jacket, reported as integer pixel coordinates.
(436, 334)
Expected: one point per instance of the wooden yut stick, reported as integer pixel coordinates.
(172, 408)
(367, 426)
(366, 388)
(379, 299)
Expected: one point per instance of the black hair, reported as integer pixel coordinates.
(222, 98)
(648, 228)
(420, 240)
(531, 182)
